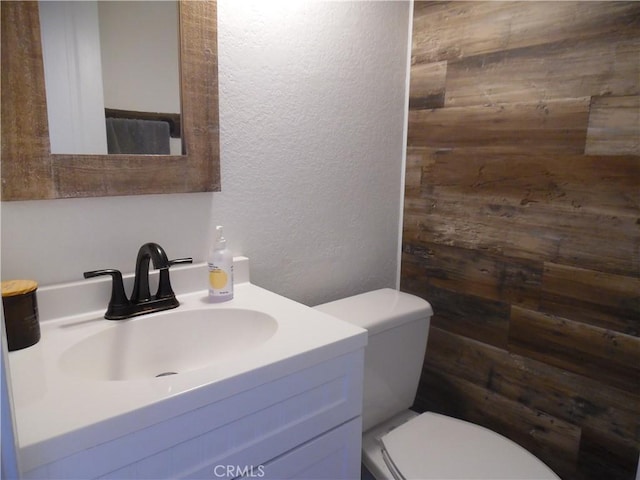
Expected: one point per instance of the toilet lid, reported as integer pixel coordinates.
(436, 446)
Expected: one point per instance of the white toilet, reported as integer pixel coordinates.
(399, 443)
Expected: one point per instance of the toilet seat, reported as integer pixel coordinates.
(436, 446)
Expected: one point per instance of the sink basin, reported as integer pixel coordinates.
(167, 343)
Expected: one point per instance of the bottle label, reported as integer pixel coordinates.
(220, 283)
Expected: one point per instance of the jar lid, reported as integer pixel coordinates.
(11, 288)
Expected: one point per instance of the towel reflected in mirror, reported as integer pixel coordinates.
(130, 136)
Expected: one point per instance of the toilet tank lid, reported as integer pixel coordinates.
(378, 310)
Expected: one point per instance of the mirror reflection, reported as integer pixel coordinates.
(112, 76)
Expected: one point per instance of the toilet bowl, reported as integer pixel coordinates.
(398, 443)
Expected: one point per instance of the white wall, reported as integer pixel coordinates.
(311, 109)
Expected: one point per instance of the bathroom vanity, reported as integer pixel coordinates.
(258, 387)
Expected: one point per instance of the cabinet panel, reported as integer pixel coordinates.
(335, 455)
(250, 428)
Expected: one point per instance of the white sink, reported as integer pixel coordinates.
(168, 343)
(104, 372)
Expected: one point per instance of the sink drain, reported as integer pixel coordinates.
(165, 374)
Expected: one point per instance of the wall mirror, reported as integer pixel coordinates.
(29, 169)
(92, 107)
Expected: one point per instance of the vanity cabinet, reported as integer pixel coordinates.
(303, 425)
(287, 406)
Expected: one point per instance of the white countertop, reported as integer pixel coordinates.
(58, 414)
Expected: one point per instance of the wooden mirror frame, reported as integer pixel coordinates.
(30, 171)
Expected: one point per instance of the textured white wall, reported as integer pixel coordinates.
(311, 115)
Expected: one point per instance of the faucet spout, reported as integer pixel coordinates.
(148, 251)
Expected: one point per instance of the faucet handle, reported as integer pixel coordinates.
(119, 305)
(164, 284)
(180, 260)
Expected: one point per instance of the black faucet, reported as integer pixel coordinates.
(141, 302)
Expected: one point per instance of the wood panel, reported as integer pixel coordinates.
(560, 180)
(571, 397)
(614, 125)
(466, 315)
(522, 223)
(453, 30)
(475, 272)
(611, 357)
(427, 85)
(545, 72)
(599, 241)
(597, 298)
(555, 126)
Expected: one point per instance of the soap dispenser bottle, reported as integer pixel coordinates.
(220, 269)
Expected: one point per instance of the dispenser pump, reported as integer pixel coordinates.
(221, 243)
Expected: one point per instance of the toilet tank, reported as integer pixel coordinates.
(398, 326)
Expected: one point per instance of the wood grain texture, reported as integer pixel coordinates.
(538, 74)
(610, 357)
(466, 315)
(555, 126)
(454, 30)
(522, 223)
(427, 85)
(599, 241)
(30, 171)
(614, 125)
(595, 183)
(26, 167)
(597, 298)
(475, 272)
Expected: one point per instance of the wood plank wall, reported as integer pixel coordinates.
(522, 223)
